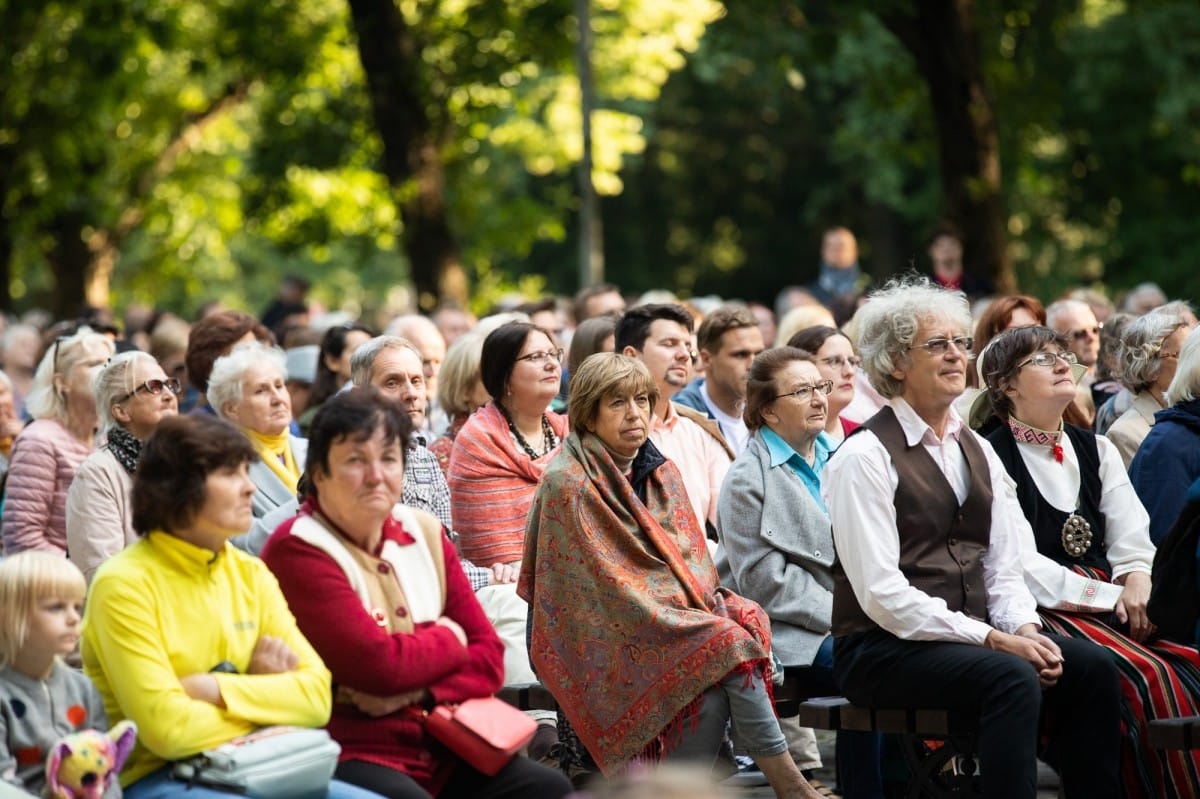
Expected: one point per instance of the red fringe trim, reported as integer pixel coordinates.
(672, 735)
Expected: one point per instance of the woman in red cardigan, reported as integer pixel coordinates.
(377, 589)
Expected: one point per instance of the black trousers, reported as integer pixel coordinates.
(520, 778)
(1082, 712)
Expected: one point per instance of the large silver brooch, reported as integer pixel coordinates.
(1076, 535)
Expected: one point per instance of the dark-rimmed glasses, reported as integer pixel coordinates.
(803, 393)
(155, 386)
(54, 358)
(941, 344)
(1045, 359)
(541, 358)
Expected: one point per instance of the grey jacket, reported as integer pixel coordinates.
(36, 714)
(272, 492)
(776, 547)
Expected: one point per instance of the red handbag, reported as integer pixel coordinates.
(487, 733)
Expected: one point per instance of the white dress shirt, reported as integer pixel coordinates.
(860, 486)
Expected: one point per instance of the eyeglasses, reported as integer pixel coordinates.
(542, 358)
(1084, 333)
(156, 387)
(1045, 359)
(941, 344)
(804, 392)
(838, 361)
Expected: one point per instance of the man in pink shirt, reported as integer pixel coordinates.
(660, 336)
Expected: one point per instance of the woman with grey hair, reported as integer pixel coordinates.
(1149, 354)
(1168, 461)
(930, 606)
(47, 453)
(248, 387)
(133, 394)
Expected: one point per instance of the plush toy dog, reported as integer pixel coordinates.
(83, 764)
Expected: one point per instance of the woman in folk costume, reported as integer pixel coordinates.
(645, 654)
(377, 588)
(1088, 557)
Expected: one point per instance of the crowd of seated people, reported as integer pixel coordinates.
(888, 507)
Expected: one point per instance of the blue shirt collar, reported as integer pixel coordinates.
(781, 452)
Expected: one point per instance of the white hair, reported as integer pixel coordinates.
(225, 382)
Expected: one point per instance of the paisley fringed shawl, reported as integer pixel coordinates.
(629, 624)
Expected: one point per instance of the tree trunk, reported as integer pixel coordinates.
(943, 39)
(6, 254)
(70, 261)
(391, 61)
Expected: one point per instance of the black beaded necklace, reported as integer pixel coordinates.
(548, 440)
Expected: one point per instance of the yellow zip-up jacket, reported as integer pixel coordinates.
(164, 609)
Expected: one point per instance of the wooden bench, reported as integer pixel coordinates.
(528, 696)
(1180, 733)
(942, 770)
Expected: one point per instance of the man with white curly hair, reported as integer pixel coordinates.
(930, 606)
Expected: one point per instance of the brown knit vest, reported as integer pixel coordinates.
(941, 543)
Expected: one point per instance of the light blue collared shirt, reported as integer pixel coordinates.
(782, 453)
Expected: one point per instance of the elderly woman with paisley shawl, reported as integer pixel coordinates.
(645, 654)
(1088, 559)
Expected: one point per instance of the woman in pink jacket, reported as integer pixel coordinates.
(50, 449)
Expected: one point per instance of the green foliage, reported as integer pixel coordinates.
(211, 147)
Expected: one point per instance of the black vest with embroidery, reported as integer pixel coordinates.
(1045, 519)
(942, 543)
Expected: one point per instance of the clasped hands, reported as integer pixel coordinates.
(1028, 643)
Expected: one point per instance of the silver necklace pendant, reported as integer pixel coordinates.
(1076, 535)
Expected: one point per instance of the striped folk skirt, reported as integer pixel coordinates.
(1159, 680)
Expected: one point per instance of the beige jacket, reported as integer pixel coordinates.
(99, 512)
(1134, 425)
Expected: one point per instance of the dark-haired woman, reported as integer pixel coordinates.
(1089, 558)
(186, 636)
(502, 450)
(378, 589)
(333, 366)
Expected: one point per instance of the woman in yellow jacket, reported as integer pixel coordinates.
(184, 634)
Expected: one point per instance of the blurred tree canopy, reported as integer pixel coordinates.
(170, 152)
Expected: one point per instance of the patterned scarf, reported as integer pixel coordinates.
(629, 625)
(1042, 438)
(125, 447)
